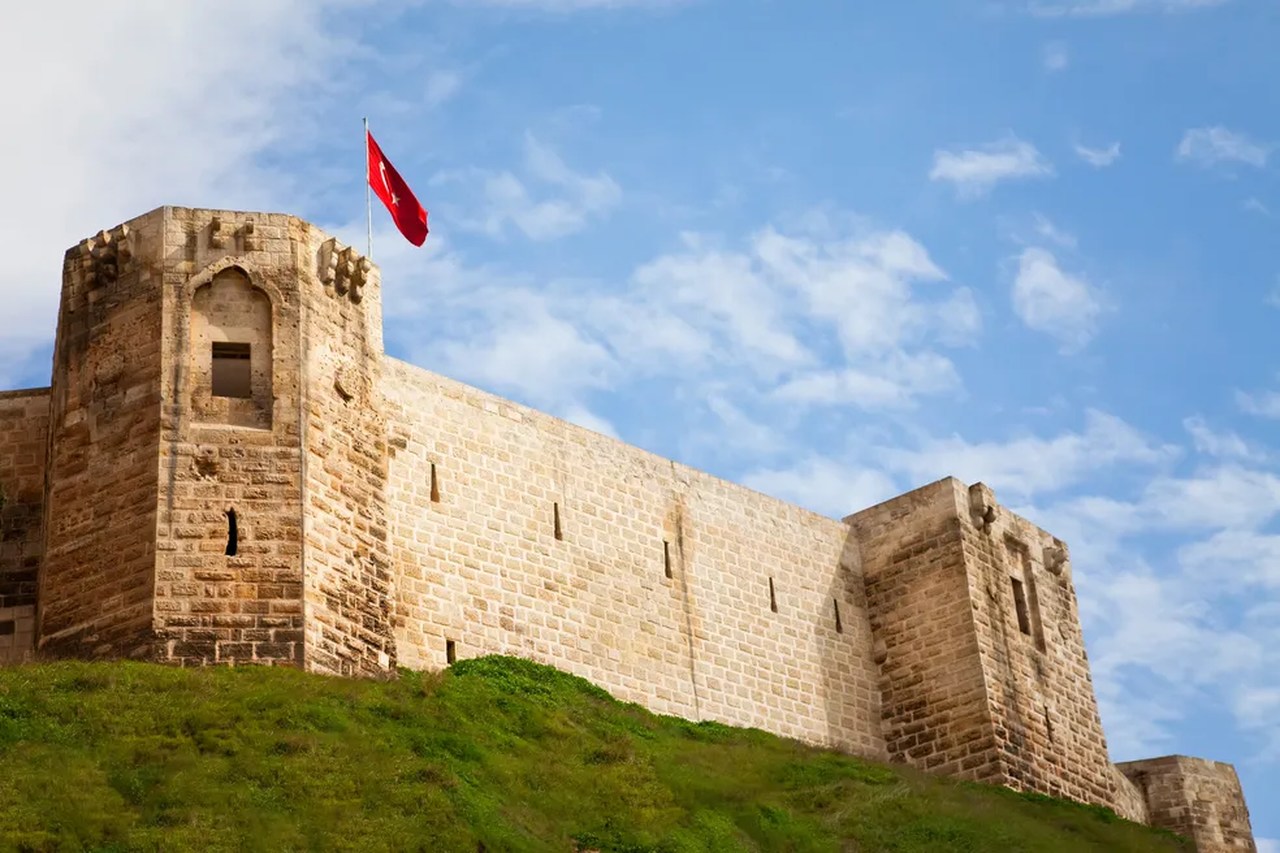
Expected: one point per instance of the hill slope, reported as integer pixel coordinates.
(496, 752)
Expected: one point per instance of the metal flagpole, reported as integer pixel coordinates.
(368, 189)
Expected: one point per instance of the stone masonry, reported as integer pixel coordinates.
(227, 469)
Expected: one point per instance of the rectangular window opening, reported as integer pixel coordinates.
(231, 370)
(450, 652)
(839, 624)
(435, 485)
(555, 510)
(1020, 606)
(8, 627)
(1048, 724)
(666, 558)
(773, 598)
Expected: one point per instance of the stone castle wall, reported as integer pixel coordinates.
(934, 708)
(98, 570)
(347, 560)
(349, 513)
(233, 278)
(514, 532)
(24, 432)
(1196, 798)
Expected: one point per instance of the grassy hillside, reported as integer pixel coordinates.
(496, 754)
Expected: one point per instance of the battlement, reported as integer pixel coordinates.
(227, 469)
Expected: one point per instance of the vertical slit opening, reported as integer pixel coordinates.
(435, 485)
(1048, 724)
(1020, 607)
(233, 533)
(555, 518)
(773, 598)
(839, 624)
(666, 558)
(450, 652)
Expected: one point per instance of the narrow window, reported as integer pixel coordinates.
(555, 518)
(1020, 606)
(435, 485)
(450, 651)
(1048, 724)
(7, 627)
(231, 370)
(666, 557)
(232, 533)
(773, 599)
(839, 624)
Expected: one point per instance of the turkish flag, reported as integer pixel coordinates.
(410, 216)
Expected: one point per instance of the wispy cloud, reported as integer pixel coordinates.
(1055, 57)
(1209, 146)
(1098, 157)
(1108, 8)
(975, 171)
(562, 6)
(547, 201)
(1055, 302)
(1263, 404)
(781, 320)
(1030, 465)
(1218, 444)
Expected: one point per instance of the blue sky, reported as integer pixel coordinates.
(830, 250)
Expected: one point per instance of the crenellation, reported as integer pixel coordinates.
(227, 469)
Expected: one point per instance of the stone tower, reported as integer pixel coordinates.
(983, 671)
(216, 466)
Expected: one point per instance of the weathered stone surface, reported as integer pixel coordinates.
(1196, 798)
(228, 470)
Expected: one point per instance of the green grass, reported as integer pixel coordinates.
(496, 752)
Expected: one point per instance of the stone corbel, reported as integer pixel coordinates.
(249, 237)
(982, 507)
(105, 256)
(344, 270)
(217, 233)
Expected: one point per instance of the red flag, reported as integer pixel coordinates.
(410, 216)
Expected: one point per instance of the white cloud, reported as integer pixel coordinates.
(1047, 230)
(1029, 465)
(1212, 443)
(1238, 555)
(1098, 157)
(570, 200)
(1264, 404)
(825, 486)
(1208, 146)
(1055, 302)
(1267, 845)
(1254, 205)
(585, 418)
(441, 86)
(1229, 496)
(119, 149)
(893, 383)
(524, 345)
(1108, 8)
(571, 5)
(975, 171)
(1055, 56)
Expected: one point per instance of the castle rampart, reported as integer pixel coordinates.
(227, 469)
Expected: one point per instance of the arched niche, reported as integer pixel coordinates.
(231, 351)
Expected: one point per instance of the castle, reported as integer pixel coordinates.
(226, 468)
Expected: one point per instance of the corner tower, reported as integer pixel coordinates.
(983, 670)
(216, 468)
